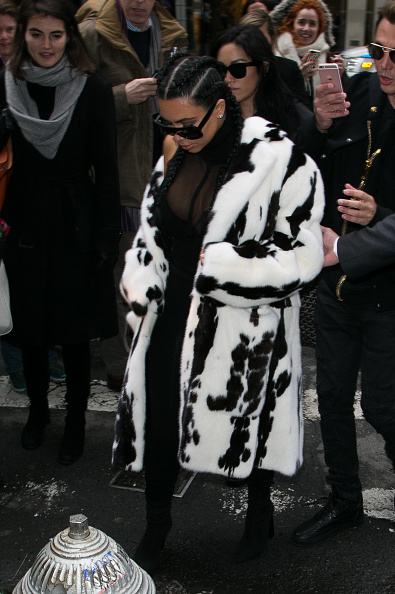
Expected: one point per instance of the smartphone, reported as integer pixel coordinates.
(330, 73)
(313, 55)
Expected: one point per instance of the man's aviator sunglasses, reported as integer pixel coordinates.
(188, 132)
(377, 52)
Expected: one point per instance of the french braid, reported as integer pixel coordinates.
(201, 80)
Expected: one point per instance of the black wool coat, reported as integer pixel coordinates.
(64, 215)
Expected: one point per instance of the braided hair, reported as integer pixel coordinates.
(200, 80)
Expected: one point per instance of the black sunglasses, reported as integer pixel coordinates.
(239, 69)
(188, 132)
(378, 51)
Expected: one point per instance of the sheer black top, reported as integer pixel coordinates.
(184, 210)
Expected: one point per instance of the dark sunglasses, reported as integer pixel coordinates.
(188, 132)
(239, 69)
(377, 52)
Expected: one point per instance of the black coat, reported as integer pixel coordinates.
(293, 79)
(369, 249)
(61, 221)
(341, 155)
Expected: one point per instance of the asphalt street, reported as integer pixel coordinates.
(39, 495)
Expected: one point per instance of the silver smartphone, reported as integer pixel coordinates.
(330, 73)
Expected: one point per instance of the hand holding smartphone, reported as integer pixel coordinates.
(330, 73)
(327, 103)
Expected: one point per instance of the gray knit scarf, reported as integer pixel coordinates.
(45, 135)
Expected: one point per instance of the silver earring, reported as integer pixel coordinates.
(221, 115)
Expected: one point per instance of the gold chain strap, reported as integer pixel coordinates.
(368, 164)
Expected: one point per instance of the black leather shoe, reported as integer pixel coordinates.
(33, 432)
(338, 514)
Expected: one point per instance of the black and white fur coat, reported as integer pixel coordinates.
(240, 393)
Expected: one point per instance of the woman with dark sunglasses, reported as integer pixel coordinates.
(289, 70)
(255, 81)
(227, 239)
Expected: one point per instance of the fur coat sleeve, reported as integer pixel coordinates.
(272, 246)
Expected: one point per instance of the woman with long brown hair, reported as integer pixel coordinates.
(64, 219)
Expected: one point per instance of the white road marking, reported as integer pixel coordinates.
(101, 398)
(378, 503)
(310, 405)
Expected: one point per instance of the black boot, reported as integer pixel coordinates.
(147, 554)
(337, 514)
(33, 432)
(159, 523)
(76, 359)
(36, 370)
(259, 519)
(72, 445)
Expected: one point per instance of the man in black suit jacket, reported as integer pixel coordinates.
(354, 327)
(363, 252)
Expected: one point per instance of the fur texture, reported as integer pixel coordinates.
(240, 397)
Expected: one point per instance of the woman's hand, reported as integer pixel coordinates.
(308, 67)
(360, 208)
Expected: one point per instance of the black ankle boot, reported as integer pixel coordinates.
(259, 524)
(259, 527)
(33, 432)
(147, 554)
(72, 446)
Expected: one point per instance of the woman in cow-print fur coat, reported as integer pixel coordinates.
(229, 235)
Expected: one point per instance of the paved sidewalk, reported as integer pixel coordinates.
(39, 495)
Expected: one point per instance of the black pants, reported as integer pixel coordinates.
(352, 337)
(76, 359)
